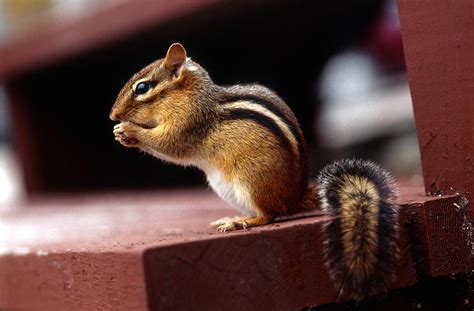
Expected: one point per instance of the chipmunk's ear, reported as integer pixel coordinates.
(175, 56)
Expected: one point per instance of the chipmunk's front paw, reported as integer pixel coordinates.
(126, 134)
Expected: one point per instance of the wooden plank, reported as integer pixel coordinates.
(442, 244)
(86, 252)
(148, 249)
(450, 244)
(75, 248)
(438, 38)
(72, 280)
(278, 267)
(160, 245)
(56, 40)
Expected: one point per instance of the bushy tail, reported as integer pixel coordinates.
(361, 240)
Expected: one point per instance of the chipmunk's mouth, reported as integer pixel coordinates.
(147, 125)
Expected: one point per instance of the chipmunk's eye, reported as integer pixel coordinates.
(142, 88)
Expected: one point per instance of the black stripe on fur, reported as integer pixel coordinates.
(261, 119)
(275, 110)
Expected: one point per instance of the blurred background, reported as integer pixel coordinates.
(338, 64)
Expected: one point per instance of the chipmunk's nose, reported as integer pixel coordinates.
(115, 116)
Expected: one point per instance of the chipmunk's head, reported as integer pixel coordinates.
(162, 90)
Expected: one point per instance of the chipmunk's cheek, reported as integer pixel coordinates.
(131, 141)
(151, 124)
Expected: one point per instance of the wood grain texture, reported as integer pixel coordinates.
(86, 252)
(438, 38)
(278, 267)
(440, 241)
(137, 251)
(70, 280)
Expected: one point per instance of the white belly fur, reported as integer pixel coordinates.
(232, 192)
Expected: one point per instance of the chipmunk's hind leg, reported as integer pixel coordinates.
(243, 223)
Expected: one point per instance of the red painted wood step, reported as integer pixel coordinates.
(138, 251)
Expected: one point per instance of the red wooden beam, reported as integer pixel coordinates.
(55, 40)
(441, 242)
(438, 39)
(277, 267)
(134, 251)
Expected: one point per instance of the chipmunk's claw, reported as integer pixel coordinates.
(220, 222)
(229, 224)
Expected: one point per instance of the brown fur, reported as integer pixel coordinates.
(268, 170)
(189, 113)
(357, 253)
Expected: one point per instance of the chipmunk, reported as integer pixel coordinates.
(250, 146)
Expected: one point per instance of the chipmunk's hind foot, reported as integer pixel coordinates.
(237, 223)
